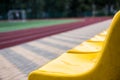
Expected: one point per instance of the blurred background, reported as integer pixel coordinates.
(37, 9)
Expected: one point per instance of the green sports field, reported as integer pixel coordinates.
(6, 26)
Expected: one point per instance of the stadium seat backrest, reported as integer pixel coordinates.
(109, 63)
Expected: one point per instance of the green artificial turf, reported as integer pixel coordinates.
(19, 25)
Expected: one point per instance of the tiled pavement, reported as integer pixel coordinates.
(16, 62)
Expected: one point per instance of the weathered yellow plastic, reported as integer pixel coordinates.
(104, 65)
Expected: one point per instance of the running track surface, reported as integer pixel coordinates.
(8, 39)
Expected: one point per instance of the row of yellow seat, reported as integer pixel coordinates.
(92, 45)
(95, 59)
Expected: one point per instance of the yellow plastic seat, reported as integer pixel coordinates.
(104, 33)
(97, 38)
(87, 47)
(92, 45)
(70, 63)
(104, 65)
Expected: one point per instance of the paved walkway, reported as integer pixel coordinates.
(16, 62)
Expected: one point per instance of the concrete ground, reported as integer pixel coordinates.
(16, 62)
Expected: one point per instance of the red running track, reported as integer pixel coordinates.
(8, 39)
